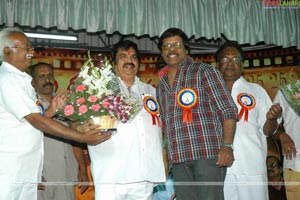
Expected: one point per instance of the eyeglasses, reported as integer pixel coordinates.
(235, 60)
(175, 45)
(27, 47)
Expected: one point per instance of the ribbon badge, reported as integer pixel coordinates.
(41, 107)
(247, 102)
(187, 98)
(151, 106)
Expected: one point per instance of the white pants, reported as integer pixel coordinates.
(129, 191)
(237, 187)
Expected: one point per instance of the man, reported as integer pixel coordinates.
(256, 121)
(130, 163)
(57, 150)
(290, 142)
(199, 118)
(276, 186)
(22, 120)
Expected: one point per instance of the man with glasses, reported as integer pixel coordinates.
(198, 120)
(22, 120)
(247, 177)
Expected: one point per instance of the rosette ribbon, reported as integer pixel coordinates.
(247, 102)
(152, 107)
(186, 99)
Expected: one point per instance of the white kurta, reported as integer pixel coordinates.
(21, 145)
(250, 146)
(134, 153)
(291, 126)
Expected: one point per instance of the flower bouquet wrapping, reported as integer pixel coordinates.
(291, 93)
(95, 96)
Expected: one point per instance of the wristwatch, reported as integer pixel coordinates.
(230, 145)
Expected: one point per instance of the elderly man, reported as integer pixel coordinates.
(258, 118)
(22, 120)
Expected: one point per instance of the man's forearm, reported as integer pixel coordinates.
(229, 127)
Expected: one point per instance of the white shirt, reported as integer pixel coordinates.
(250, 146)
(134, 152)
(292, 128)
(21, 145)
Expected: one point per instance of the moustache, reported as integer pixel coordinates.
(48, 84)
(129, 64)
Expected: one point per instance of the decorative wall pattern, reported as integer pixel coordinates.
(270, 68)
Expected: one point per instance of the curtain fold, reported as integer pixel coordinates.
(240, 20)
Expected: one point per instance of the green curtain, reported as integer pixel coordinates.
(245, 21)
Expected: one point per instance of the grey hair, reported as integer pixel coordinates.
(5, 41)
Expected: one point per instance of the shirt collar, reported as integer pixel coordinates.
(136, 80)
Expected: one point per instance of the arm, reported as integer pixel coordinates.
(82, 170)
(271, 124)
(82, 165)
(53, 127)
(287, 144)
(225, 155)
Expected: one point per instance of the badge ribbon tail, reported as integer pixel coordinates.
(187, 116)
(243, 111)
(155, 119)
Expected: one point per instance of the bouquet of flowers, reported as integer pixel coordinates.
(291, 93)
(96, 92)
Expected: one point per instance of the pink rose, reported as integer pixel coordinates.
(80, 100)
(96, 107)
(92, 98)
(69, 110)
(80, 88)
(83, 109)
(105, 104)
(296, 95)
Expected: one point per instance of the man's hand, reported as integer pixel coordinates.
(41, 186)
(83, 180)
(59, 100)
(225, 157)
(287, 145)
(91, 134)
(274, 112)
